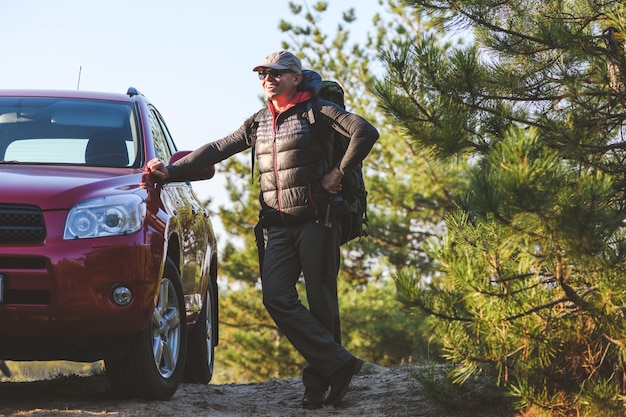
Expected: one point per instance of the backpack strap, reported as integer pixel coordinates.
(325, 127)
(252, 128)
(312, 107)
(322, 128)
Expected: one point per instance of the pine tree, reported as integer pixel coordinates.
(530, 286)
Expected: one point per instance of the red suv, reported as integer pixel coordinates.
(96, 264)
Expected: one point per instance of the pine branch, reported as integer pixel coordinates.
(537, 308)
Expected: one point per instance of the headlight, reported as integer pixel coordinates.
(106, 216)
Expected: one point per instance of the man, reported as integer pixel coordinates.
(296, 182)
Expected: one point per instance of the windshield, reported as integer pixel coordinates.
(67, 131)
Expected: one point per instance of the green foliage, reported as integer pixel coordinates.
(39, 370)
(251, 346)
(529, 285)
(239, 256)
(479, 397)
(375, 326)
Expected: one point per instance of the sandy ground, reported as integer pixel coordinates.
(376, 391)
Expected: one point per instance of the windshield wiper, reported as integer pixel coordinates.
(9, 162)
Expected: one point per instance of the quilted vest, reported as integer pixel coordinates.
(291, 165)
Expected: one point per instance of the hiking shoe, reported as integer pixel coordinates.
(313, 399)
(340, 380)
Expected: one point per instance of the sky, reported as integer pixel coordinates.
(192, 58)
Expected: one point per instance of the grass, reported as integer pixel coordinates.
(40, 370)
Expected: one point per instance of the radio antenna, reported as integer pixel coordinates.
(80, 69)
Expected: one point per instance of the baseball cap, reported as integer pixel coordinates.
(281, 60)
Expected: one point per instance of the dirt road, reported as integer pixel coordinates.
(376, 391)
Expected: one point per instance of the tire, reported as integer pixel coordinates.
(153, 369)
(201, 355)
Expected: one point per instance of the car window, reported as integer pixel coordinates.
(65, 151)
(158, 138)
(67, 131)
(163, 143)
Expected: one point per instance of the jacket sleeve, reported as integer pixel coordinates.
(362, 134)
(212, 152)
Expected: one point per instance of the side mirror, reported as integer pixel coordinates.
(202, 174)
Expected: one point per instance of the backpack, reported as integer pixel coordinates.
(349, 206)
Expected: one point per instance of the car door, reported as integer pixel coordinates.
(188, 216)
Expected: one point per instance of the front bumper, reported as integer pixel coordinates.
(61, 290)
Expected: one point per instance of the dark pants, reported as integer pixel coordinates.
(312, 250)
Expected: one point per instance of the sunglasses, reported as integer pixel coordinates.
(274, 73)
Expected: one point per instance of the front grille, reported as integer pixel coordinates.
(21, 224)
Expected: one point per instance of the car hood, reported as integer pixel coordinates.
(56, 188)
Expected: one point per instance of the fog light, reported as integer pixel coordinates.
(122, 296)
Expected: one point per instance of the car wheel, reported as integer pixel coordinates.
(153, 368)
(200, 359)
